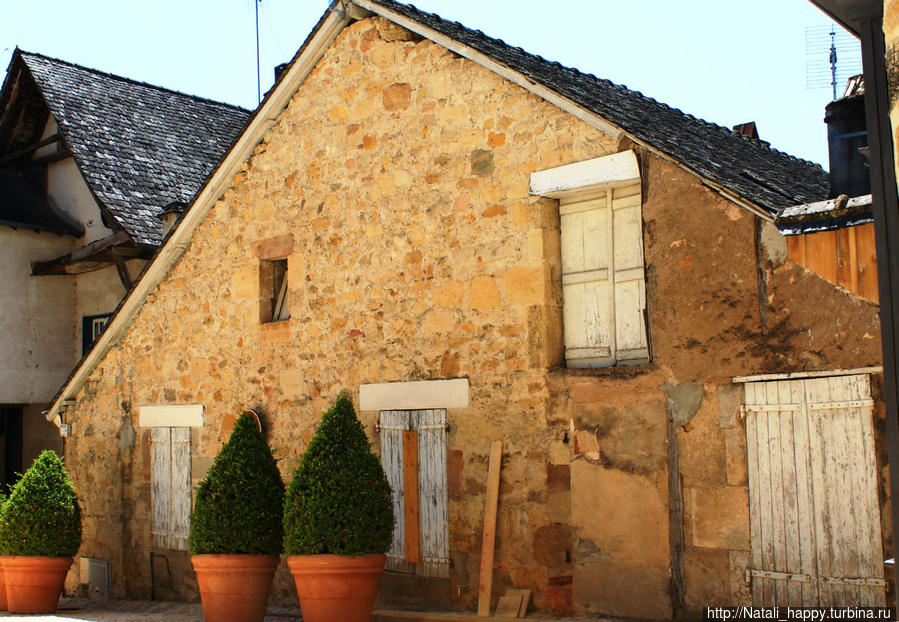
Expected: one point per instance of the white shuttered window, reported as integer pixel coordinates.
(603, 283)
(413, 453)
(171, 487)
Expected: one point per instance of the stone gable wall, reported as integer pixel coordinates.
(396, 185)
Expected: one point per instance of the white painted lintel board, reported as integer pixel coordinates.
(171, 416)
(618, 168)
(414, 395)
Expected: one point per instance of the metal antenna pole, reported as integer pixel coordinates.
(256, 4)
(833, 62)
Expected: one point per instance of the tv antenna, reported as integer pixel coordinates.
(832, 56)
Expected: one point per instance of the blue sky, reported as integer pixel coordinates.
(723, 61)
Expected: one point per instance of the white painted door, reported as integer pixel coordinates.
(813, 504)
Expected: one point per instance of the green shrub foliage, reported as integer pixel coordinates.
(42, 515)
(240, 503)
(339, 500)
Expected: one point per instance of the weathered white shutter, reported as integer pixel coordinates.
(630, 287)
(181, 489)
(171, 487)
(586, 286)
(392, 423)
(161, 478)
(431, 426)
(603, 286)
(432, 488)
(814, 513)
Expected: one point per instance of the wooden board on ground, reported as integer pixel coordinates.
(525, 600)
(509, 605)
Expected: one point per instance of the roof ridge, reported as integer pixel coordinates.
(131, 80)
(495, 40)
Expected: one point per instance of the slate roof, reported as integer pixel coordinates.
(22, 207)
(140, 147)
(747, 167)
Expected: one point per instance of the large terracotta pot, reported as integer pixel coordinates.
(234, 588)
(336, 587)
(3, 605)
(33, 583)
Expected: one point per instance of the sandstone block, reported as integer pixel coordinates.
(274, 248)
(525, 285)
(397, 96)
(552, 545)
(483, 293)
(448, 294)
(719, 517)
(706, 580)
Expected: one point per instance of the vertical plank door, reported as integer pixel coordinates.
(814, 511)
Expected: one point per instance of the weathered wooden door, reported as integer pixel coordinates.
(413, 453)
(813, 504)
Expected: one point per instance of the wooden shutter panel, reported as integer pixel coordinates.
(181, 489)
(391, 424)
(431, 426)
(171, 487)
(586, 284)
(630, 287)
(161, 483)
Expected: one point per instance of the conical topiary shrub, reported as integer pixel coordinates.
(338, 521)
(339, 501)
(42, 515)
(40, 531)
(236, 529)
(238, 509)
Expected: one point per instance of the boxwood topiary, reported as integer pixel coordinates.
(339, 501)
(239, 505)
(42, 515)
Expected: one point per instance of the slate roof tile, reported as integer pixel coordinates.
(140, 147)
(747, 167)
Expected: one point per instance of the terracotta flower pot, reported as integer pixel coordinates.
(33, 583)
(3, 605)
(336, 587)
(234, 588)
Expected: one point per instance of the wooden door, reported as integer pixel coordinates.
(814, 510)
(425, 530)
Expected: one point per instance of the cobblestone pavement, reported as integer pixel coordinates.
(82, 610)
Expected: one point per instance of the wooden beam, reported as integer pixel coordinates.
(485, 583)
(122, 269)
(85, 253)
(410, 496)
(56, 156)
(30, 148)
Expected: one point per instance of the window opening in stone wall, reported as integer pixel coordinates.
(273, 288)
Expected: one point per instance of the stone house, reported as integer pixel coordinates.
(479, 244)
(88, 161)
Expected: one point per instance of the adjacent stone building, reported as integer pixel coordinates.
(478, 244)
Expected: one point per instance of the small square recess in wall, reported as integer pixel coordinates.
(273, 290)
